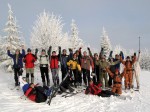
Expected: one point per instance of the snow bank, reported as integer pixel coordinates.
(10, 100)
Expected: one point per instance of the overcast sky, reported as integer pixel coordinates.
(124, 20)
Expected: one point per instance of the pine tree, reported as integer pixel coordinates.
(48, 31)
(76, 42)
(11, 39)
(105, 43)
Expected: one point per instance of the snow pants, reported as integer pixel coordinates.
(128, 79)
(17, 73)
(86, 76)
(44, 73)
(103, 76)
(63, 71)
(55, 76)
(136, 77)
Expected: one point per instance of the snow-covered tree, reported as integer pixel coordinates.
(105, 42)
(76, 42)
(48, 31)
(117, 50)
(11, 39)
(145, 59)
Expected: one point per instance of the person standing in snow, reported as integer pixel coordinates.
(54, 65)
(29, 60)
(136, 70)
(18, 63)
(96, 67)
(86, 63)
(64, 58)
(44, 67)
(73, 64)
(128, 71)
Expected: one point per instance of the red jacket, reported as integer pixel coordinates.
(54, 62)
(30, 95)
(29, 60)
(93, 89)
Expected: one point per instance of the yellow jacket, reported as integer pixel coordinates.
(74, 65)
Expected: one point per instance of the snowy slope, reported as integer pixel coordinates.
(10, 100)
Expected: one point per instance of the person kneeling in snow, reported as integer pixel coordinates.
(35, 93)
(95, 89)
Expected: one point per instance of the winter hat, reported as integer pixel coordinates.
(43, 50)
(54, 52)
(25, 87)
(18, 50)
(128, 57)
(28, 50)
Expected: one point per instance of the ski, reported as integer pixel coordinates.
(69, 95)
(54, 91)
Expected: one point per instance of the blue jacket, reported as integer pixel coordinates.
(20, 59)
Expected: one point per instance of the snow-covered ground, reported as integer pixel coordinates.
(10, 100)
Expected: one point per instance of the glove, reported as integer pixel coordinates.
(134, 54)
(59, 47)
(33, 61)
(70, 50)
(24, 61)
(88, 48)
(36, 51)
(102, 49)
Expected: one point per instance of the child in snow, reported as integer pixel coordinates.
(44, 68)
(18, 64)
(35, 93)
(95, 89)
(29, 60)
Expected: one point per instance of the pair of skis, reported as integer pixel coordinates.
(54, 91)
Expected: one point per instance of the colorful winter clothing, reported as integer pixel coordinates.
(96, 90)
(128, 72)
(75, 68)
(18, 64)
(29, 60)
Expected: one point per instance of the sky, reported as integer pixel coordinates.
(124, 20)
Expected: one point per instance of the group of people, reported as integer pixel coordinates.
(105, 72)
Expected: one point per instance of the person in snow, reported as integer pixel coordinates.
(117, 79)
(136, 70)
(96, 67)
(64, 58)
(18, 63)
(29, 60)
(86, 63)
(44, 68)
(113, 67)
(73, 64)
(128, 71)
(35, 93)
(54, 65)
(95, 89)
